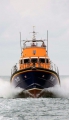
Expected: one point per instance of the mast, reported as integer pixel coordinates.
(34, 34)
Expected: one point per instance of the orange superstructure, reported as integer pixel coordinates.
(29, 52)
(34, 54)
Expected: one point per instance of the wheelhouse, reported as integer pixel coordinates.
(37, 61)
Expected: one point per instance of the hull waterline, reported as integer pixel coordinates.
(34, 81)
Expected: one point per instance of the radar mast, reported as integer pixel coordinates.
(34, 35)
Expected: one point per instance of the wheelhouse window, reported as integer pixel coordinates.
(47, 60)
(20, 61)
(34, 60)
(26, 61)
(42, 60)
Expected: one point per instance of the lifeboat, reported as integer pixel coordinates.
(35, 72)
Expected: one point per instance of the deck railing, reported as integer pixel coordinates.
(52, 66)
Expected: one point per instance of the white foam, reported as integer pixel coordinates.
(61, 90)
(7, 90)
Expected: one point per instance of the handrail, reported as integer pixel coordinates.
(36, 45)
(52, 67)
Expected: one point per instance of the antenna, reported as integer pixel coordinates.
(47, 41)
(20, 42)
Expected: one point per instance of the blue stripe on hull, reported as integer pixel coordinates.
(35, 79)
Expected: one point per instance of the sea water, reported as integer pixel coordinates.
(12, 108)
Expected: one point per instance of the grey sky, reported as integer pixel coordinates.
(20, 15)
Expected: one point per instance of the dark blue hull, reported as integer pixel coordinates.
(38, 79)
